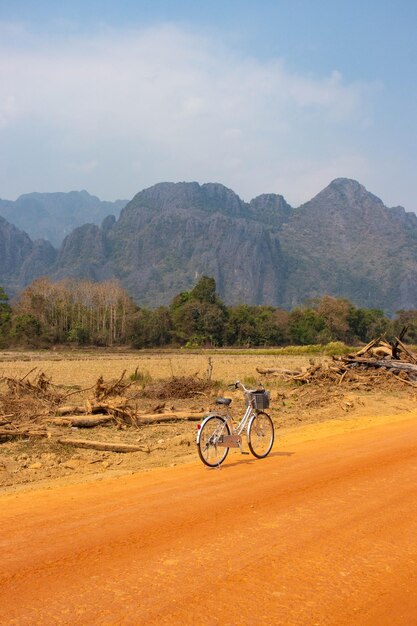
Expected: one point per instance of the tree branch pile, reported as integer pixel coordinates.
(24, 405)
(180, 387)
(372, 365)
(30, 406)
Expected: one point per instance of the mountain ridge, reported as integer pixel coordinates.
(51, 216)
(344, 242)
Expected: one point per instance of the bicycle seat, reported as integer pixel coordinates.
(225, 401)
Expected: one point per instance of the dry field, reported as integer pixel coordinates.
(31, 463)
(83, 368)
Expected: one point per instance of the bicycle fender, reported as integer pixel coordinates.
(197, 440)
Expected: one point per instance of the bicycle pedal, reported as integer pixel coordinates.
(241, 452)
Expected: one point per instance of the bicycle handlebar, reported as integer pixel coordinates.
(238, 384)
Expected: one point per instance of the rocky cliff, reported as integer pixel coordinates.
(169, 235)
(344, 242)
(21, 259)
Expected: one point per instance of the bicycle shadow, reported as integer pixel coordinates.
(238, 460)
(280, 454)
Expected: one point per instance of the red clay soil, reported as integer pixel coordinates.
(323, 532)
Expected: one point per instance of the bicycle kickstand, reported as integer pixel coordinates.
(241, 450)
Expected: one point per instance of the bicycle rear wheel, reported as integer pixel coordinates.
(211, 432)
(260, 435)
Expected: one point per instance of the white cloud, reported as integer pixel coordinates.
(176, 106)
(301, 179)
(7, 110)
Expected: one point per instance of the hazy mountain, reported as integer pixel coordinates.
(344, 242)
(21, 259)
(52, 216)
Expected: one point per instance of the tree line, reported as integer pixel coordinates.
(82, 312)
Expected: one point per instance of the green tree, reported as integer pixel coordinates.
(256, 326)
(335, 314)
(199, 316)
(199, 322)
(366, 324)
(241, 328)
(272, 326)
(151, 328)
(27, 329)
(5, 318)
(4, 301)
(406, 318)
(205, 291)
(305, 326)
(79, 334)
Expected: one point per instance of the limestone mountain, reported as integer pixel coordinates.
(21, 259)
(343, 242)
(170, 234)
(52, 216)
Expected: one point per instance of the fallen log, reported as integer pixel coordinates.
(304, 376)
(277, 371)
(6, 434)
(103, 445)
(397, 340)
(267, 370)
(367, 347)
(406, 350)
(84, 421)
(104, 407)
(381, 351)
(70, 410)
(391, 365)
(178, 416)
(90, 421)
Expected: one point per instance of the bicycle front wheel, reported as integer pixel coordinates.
(260, 435)
(210, 450)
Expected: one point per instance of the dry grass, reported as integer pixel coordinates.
(83, 369)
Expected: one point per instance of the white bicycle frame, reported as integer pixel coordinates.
(236, 431)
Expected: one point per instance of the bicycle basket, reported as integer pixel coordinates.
(258, 399)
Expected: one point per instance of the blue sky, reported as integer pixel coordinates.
(263, 97)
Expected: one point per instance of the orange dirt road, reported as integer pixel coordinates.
(323, 532)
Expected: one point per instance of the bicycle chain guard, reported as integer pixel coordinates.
(230, 441)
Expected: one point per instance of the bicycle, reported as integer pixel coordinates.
(217, 434)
